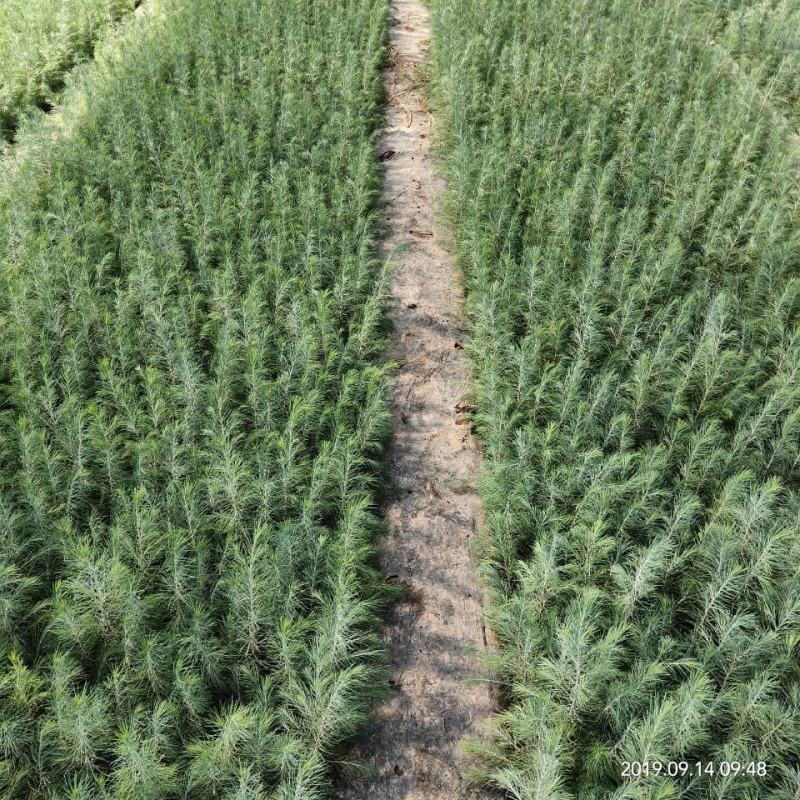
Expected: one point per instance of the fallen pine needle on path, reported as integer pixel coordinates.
(434, 634)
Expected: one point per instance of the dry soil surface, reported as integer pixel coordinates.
(435, 635)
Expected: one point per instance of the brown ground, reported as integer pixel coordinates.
(433, 636)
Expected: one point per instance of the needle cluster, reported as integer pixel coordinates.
(40, 41)
(626, 215)
(192, 410)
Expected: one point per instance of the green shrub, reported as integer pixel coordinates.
(763, 39)
(626, 214)
(40, 41)
(192, 411)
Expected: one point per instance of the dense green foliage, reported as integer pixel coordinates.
(627, 223)
(763, 39)
(192, 408)
(40, 40)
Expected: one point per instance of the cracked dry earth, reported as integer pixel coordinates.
(434, 635)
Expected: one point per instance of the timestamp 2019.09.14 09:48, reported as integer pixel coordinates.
(688, 769)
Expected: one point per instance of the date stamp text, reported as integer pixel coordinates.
(694, 769)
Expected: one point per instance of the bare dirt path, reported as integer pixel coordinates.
(433, 635)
